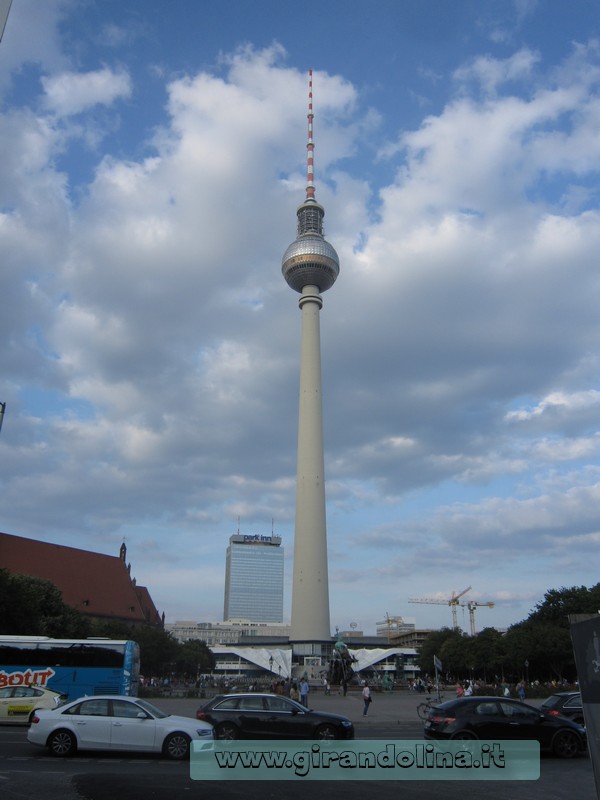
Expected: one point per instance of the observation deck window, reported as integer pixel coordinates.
(310, 221)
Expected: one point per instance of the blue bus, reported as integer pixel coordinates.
(74, 667)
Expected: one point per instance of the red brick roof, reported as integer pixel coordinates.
(95, 584)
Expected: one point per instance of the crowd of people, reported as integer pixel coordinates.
(467, 688)
(294, 689)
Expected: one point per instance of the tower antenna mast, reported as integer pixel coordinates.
(310, 147)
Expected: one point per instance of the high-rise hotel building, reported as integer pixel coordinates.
(254, 579)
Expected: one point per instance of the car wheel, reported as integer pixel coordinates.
(464, 736)
(227, 731)
(62, 743)
(177, 746)
(326, 732)
(566, 744)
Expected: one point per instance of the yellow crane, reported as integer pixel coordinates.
(452, 601)
(472, 605)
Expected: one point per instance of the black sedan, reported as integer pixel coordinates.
(566, 703)
(270, 716)
(495, 718)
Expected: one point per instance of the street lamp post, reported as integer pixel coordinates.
(2, 410)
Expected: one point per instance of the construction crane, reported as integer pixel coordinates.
(452, 602)
(472, 605)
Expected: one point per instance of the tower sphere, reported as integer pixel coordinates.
(310, 261)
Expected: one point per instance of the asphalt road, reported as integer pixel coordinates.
(30, 772)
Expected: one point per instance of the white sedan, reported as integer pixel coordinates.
(111, 722)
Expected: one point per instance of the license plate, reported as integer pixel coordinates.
(16, 711)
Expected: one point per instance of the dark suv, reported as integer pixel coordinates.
(566, 703)
(491, 718)
(270, 716)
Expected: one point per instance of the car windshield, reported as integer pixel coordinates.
(156, 712)
(553, 701)
(573, 702)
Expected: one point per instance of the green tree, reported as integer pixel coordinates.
(158, 650)
(113, 629)
(540, 649)
(487, 653)
(559, 603)
(32, 606)
(193, 658)
(432, 646)
(456, 656)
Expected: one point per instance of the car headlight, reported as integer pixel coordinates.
(346, 723)
(205, 733)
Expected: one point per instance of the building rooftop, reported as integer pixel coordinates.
(95, 584)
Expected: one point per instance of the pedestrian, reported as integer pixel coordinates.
(294, 694)
(304, 690)
(459, 690)
(326, 685)
(366, 693)
(521, 691)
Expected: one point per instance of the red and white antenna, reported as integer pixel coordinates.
(310, 186)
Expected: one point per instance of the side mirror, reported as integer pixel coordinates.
(142, 715)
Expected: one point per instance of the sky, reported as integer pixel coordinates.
(153, 157)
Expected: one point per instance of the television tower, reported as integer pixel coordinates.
(310, 266)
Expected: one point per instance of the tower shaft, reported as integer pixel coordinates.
(310, 590)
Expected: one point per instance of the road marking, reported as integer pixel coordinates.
(79, 760)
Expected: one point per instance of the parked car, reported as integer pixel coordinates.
(112, 722)
(502, 718)
(566, 703)
(18, 703)
(271, 716)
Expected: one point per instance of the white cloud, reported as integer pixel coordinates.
(492, 73)
(70, 93)
(559, 406)
(152, 344)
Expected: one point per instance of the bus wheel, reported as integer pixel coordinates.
(62, 743)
